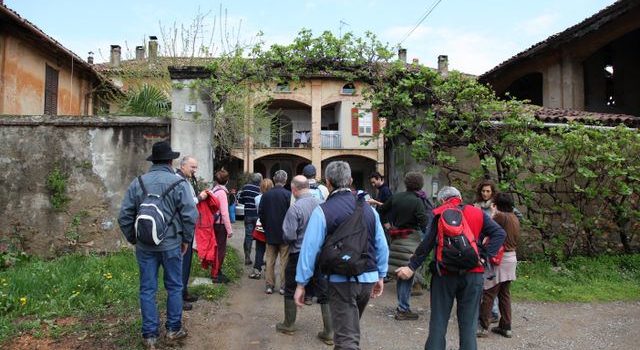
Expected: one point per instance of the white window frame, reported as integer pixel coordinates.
(365, 123)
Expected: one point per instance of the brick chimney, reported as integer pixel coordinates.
(139, 53)
(114, 58)
(153, 48)
(443, 65)
(402, 55)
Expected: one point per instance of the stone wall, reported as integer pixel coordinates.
(97, 156)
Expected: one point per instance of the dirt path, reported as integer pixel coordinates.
(246, 321)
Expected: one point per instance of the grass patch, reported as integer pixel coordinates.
(581, 279)
(232, 268)
(99, 293)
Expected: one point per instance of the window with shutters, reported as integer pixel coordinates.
(51, 91)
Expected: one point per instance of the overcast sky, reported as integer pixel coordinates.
(475, 34)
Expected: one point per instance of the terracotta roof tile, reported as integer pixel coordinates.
(557, 115)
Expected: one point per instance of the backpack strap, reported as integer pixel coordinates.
(170, 188)
(144, 189)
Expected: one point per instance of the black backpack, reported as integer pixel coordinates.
(346, 250)
(150, 225)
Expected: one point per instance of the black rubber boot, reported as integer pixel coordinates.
(327, 333)
(289, 324)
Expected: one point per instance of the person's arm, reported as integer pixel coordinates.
(290, 225)
(421, 214)
(187, 210)
(128, 211)
(224, 211)
(424, 248)
(311, 244)
(382, 248)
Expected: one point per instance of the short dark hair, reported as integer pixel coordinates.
(376, 175)
(504, 202)
(222, 176)
(414, 181)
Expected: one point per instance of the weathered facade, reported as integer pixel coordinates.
(95, 158)
(592, 66)
(40, 76)
(318, 120)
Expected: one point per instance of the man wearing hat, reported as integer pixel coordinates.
(168, 253)
(317, 189)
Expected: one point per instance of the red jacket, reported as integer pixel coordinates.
(205, 238)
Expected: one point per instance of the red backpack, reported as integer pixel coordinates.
(456, 246)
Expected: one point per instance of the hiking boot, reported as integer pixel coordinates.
(176, 335)
(247, 261)
(150, 343)
(289, 325)
(494, 319)
(187, 306)
(190, 298)
(406, 315)
(221, 279)
(503, 332)
(482, 333)
(308, 301)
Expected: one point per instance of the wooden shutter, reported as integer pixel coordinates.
(51, 91)
(354, 121)
(375, 122)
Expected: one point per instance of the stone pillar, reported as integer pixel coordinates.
(552, 87)
(316, 123)
(572, 83)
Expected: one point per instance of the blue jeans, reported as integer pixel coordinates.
(467, 290)
(403, 289)
(249, 225)
(149, 262)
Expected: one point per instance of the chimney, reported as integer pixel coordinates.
(153, 48)
(443, 65)
(139, 53)
(115, 56)
(415, 61)
(90, 58)
(402, 55)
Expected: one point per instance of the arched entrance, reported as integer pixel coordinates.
(268, 165)
(361, 168)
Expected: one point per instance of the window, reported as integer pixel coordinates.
(282, 87)
(348, 89)
(51, 91)
(365, 123)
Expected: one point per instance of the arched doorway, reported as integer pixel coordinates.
(361, 168)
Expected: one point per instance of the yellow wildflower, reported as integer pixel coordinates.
(23, 301)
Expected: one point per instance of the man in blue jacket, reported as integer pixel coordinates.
(168, 253)
(348, 297)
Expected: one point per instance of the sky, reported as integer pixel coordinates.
(476, 35)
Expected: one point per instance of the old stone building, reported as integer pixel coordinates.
(591, 66)
(40, 76)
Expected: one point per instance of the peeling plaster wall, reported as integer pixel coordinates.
(99, 156)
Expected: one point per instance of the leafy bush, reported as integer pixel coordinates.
(57, 186)
(147, 100)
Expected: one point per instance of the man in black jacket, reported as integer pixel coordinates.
(273, 208)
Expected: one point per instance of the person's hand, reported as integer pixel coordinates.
(387, 226)
(377, 289)
(298, 296)
(404, 272)
(230, 234)
(203, 195)
(183, 248)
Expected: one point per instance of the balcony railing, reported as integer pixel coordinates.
(330, 139)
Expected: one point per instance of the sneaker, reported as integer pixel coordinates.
(176, 335)
(308, 301)
(269, 290)
(190, 298)
(281, 291)
(503, 332)
(150, 343)
(187, 306)
(482, 333)
(406, 315)
(256, 275)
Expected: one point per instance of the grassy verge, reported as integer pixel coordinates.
(232, 268)
(94, 296)
(604, 278)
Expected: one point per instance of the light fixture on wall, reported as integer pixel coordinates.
(435, 186)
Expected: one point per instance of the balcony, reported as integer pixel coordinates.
(330, 139)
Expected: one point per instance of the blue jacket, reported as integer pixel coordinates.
(326, 218)
(179, 200)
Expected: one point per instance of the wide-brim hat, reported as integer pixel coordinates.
(162, 151)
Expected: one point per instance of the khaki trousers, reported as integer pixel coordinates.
(273, 250)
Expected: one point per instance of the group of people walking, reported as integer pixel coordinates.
(295, 226)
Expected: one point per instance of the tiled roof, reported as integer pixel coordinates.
(557, 115)
(7, 14)
(581, 29)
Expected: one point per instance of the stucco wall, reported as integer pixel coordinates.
(23, 78)
(99, 156)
